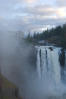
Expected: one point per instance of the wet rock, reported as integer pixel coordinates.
(40, 53)
(51, 48)
(62, 58)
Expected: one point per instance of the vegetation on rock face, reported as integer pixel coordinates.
(55, 35)
(7, 89)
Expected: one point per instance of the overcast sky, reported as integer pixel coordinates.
(31, 15)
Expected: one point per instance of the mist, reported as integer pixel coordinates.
(17, 60)
(20, 63)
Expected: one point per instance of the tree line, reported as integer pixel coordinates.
(55, 35)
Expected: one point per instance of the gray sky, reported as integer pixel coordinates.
(31, 15)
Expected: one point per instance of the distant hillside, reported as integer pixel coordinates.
(55, 35)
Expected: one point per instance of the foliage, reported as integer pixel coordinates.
(55, 35)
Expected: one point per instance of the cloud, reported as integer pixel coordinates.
(61, 3)
(40, 10)
(30, 1)
(43, 11)
(26, 15)
(61, 12)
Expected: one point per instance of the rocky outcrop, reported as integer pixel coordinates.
(62, 58)
(8, 90)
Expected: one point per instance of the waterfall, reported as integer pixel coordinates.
(56, 66)
(48, 65)
(38, 63)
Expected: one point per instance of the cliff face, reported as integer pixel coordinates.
(7, 89)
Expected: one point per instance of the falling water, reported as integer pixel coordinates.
(48, 63)
(38, 63)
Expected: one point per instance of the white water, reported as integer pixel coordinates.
(49, 69)
(38, 64)
(48, 63)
